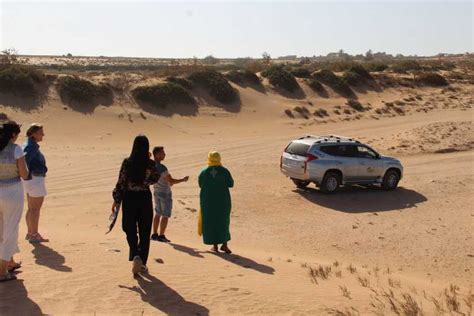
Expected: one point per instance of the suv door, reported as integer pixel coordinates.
(370, 164)
(344, 158)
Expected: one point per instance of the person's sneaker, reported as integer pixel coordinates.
(163, 238)
(137, 264)
(155, 237)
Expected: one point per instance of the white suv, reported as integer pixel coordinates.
(331, 161)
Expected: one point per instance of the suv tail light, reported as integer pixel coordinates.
(309, 157)
(281, 161)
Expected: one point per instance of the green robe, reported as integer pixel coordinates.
(215, 204)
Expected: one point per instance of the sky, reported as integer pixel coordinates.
(229, 29)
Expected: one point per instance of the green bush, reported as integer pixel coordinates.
(77, 90)
(300, 72)
(432, 79)
(243, 76)
(216, 84)
(315, 85)
(337, 84)
(280, 78)
(163, 94)
(356, 105)
(185, 83)
(404, 66)
(356, 75)
(20, 80)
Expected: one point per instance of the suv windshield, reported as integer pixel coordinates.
(298, 149)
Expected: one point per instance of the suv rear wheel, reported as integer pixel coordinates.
(331, 182)
(300, 184)
(390, 180)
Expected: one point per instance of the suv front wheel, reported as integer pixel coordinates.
(331, 182)
(390, 180)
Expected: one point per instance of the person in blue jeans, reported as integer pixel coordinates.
(163, 196)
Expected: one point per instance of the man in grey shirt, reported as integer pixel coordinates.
(163, 196)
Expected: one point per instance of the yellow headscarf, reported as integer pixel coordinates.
(214, 159)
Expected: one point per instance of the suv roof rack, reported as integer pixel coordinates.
(330, 138)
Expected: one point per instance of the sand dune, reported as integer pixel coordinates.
(361, 251)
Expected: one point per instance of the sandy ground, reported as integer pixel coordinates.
(361, 251)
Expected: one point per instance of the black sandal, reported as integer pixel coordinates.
(8, 277)
(14, 268)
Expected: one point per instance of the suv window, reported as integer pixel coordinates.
(340, 150)
(298, 149)
(364, 152)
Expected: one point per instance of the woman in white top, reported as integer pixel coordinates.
(12, 167)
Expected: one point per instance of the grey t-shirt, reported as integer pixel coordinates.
(162, 186)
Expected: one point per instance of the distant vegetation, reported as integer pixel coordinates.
(21, 80)
(336, 83)
(280, 78)
(373, 66)
(431, 79)
(216, 85)
(73, 89)
(404, 66)
(162, 95)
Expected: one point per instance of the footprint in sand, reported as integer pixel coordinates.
(193, 210)
(181, 202)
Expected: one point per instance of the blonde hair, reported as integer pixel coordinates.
(33, 129)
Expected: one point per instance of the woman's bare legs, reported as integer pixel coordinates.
(33, 215)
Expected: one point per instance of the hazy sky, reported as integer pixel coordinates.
(235, 29)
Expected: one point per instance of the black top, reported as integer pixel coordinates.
(124, 184)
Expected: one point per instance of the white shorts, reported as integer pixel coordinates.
(35, 187)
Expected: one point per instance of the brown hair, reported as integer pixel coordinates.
(33, 129)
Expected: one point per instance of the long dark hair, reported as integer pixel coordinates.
(138, 160)
(7, 130)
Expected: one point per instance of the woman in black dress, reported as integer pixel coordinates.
(137, 173)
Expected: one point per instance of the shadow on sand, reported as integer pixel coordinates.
(245, 262)
(204, 97)
(50, 258)
(170, 109)
(165, 299)
(190, 251)
(14, 300)
(358, 199)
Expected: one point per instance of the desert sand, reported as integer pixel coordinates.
(360, 251)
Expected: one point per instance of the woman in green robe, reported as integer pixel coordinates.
(215, 181)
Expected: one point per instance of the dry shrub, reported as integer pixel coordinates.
(345, 291)
(356, 105)
(320, 272)
(322, 113)
(351, 269)
(289, 113)
(363, 281)
(431, 79)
